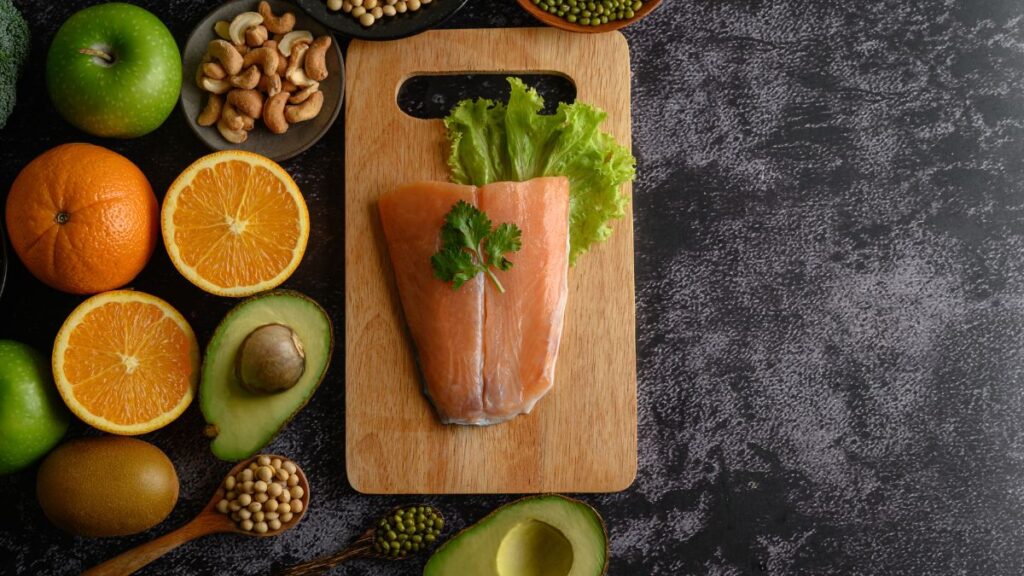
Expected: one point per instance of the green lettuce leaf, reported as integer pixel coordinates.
(494, 142)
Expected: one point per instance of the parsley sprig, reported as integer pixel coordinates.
(469, 246)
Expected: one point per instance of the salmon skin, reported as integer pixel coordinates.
(485, 357)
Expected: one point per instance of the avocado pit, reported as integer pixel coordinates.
(271, 359)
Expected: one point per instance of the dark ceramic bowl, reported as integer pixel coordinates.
(389, 28)
(299, 137)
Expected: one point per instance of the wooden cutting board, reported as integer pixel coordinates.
(581, 437)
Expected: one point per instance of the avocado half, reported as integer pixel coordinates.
(242, 422)
(548, 535)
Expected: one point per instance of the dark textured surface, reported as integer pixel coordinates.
(830, 282)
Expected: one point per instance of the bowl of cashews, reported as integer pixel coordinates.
(261, 76)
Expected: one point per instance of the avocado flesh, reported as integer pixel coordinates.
(537, 536)
(246, 422)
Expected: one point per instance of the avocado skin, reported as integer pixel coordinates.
(240, 422)
(459, 551)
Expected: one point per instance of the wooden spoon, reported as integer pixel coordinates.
(208, 521)
(362, 547)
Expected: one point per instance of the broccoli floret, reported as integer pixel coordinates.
(14, 43)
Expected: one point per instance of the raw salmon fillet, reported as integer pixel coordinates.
(485, 356)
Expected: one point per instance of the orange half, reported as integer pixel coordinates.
(126, 362)
(235, 223)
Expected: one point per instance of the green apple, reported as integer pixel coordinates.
(114, 70)
(32, 415)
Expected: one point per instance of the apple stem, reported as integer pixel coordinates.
(97, 53)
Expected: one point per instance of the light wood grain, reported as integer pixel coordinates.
(581, 437)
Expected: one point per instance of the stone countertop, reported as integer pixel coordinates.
(830, 294)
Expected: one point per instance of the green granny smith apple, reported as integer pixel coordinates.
(114, 70)
(33, 417)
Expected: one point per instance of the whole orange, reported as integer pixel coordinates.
(82, 218)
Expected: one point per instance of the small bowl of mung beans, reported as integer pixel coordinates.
(589, 16)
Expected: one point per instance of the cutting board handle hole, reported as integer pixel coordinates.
(433, 96)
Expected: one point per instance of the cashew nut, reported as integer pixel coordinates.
(246, 80)
(242, 48)
(296, 59)
(301, 96)
(230, 134)
(277, 24)
(211, 113)
(269, 83)
(305, 111)
(199, 69)
(214, 86)
(292, 39)
(288, 86)
(266, 58)
(255, 37)
(299, 78)
(282, 60)
(227, 55)
(221, 28)
(231, 118)
(234, 119)
(248, 102)
(273, 113)
(316, 58)
(241, 24)
(214, 70)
